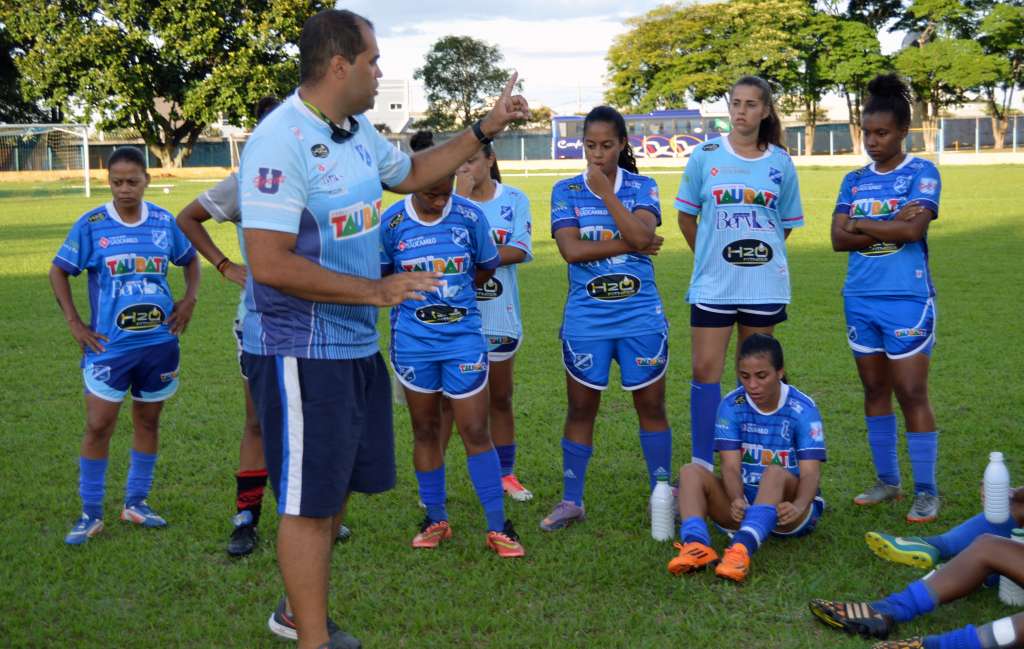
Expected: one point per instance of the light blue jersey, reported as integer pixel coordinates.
(783, 437)
(129, 298)
(508, 214)
(448, 322)
(890, 269)
(294, 178)
(614, 297)
(744, 207)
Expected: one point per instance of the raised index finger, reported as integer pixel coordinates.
(510, 85)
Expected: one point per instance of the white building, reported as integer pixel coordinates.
(392, 105)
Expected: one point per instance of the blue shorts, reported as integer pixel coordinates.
(457, 377)
(805, 527)
(642, 360)
(899, 327)
(236, 329)
(150, 372)
(502, 348)
(326, 429)
(747, 315)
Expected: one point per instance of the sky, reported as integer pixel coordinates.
(557, 46)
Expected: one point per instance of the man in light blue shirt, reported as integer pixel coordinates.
(310, 187)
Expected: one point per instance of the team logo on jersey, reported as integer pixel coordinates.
(364, 154)
(448, 265)
(582, 361)
(319, 150)
(460, 237)
(901, 184)
(817, 432)
(613, 288)
(714, 171)
(928, 186)
(500, 236)
(491, 289)
(911, 332)
(740, 399)
(598, 233)
(710, 147)
(748, 252)
(167, 377)
(139, 317)
(506, 213)
(160, 239)
(395, 220)
(441, 314)
(775, 175)
(98, 216)
(269, 181)
(473, 368)
(874, 207)
(880, 249)
(138, 264)
(726, 220)
(759, 454)
(739, 194)
(574, 187)
(355, 220)
(100, 372)
(104, 242)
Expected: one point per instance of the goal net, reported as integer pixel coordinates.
(45, 147)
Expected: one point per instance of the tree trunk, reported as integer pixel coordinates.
(809, 138)
(1000, 125)
(853, 109)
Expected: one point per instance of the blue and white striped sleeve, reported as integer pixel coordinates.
(76, 250)
(727, 433)
(791, 209)
(562, 213)
(647, 198)
(688, 197)
(273, 184)
(810, 435)
(926, 188)
(522, 225)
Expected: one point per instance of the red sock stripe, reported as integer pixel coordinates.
(255, 473)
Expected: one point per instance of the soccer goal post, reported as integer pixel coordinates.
(45, 147)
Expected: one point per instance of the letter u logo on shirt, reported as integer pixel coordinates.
(272, 184)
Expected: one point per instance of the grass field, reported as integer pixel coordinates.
(599, 584)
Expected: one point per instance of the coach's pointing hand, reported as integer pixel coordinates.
(508, 108)
(400, 287)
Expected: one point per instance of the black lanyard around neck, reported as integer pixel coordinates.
(338, 134)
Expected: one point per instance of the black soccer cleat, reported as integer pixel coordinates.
(853, 617)
(243, 537)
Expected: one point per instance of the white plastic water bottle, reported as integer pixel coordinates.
(662, 516)
(1009, 592)
(997, 489)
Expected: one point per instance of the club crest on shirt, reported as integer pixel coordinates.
(160, 239)
(901, 184)
(364, 154)
(506, 213)
(319, 150)
(775, 175)
(460, 237)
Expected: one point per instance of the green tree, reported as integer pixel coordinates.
(852, 60)
(165, 68)
(461, 76)
(13, 105)
(1002, 36)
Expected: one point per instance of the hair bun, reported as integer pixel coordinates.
(421, 140)
(887, 85)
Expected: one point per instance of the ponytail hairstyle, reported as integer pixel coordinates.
(488, 151)
(888, 94)
(611, 116)
(421, 140)
(128, 154)
(770, 129)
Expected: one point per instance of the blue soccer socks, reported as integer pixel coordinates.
(923, 449)
(575, 458)
(694, 530)
(956, 540)
(757, 524)
(914, 600)
(91, 485)
(965, 638)
(140, 477)
(485, 473)
(657, 448)
(883, 441)
(507, 457)
(433, 493)
(704, 400)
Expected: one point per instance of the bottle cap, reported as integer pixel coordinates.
(661, 475)
(995, 456)
(1017, 533)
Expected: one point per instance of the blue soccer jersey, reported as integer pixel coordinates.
(890, 269)
(129, 298)
(508, 214)
(614, 297)
(744, 207)
(294, 178)
(448, 322)
(791, 433)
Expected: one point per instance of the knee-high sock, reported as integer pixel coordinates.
(694, 529)
(140, 477)
(704, 399)
(432, 493)
(657, 448)
(91, 485)
(964, 638)
(883, 441)
(956, 540)
(507, 456)
(485, 473)
(916, 599)
(575, 458)
(249, 486)
(923, 449)
(757, 524)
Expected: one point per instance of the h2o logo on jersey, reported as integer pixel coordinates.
(613, 288)
(748, 252)
(491, 289)
(441, 314)
(140, 317)
(880, 249)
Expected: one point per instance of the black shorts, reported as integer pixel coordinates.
(326, 429)
(726, 315)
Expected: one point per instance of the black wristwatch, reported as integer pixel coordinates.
(478, 131)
